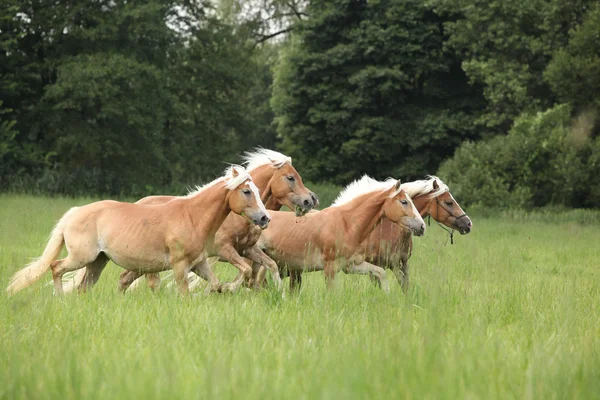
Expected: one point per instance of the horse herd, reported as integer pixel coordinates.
(367, 229)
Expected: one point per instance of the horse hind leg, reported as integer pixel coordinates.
(93, 271)
(126, 279)
(59, 267)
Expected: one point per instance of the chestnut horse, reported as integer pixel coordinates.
(145, 238)
(279, 184)
(331, 239)
(390, 246)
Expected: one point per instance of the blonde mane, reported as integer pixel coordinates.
(425, 187)
(259, 157)
(362, 186)
(231, 182)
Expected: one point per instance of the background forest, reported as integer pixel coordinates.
(499, 98)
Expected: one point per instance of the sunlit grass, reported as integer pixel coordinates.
(510, 311)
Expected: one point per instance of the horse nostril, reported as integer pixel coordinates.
(264, 219)
(306, 203)
(315, 199)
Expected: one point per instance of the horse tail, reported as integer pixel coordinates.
(73, 279)
(36, 269)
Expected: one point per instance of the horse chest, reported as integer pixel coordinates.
(248, 240)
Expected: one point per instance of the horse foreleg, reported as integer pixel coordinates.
(153, 280)
(257, 255)
(230, 254)
(180, 272)
(366, 268)
(204, 271)
(329, 270)
(402, 275)
(295, 279)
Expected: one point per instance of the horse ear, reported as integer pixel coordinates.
(435, 185)
(234, 172)
(398, 184)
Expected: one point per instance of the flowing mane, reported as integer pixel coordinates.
(362, 186)
(425, 187)
(259, 157)
(231, 183)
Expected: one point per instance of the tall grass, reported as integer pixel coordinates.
(509, 311)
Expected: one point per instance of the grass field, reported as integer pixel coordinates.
(510, 311)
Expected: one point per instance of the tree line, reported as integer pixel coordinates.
(500, 98)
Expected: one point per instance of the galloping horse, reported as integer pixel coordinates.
(390, 245)
(279, 184)
(146, 238)
(331, 238)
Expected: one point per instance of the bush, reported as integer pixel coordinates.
(540, 162)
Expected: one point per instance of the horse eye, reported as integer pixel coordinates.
(404, 202)
(246, 191)
(449, 203)
(291, 178)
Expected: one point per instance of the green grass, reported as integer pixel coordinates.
(510, 311)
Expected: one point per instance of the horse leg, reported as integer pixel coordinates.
(231, 255)
(59, 267)
(153, 280)
(257, 255)
(180, 271)
(365, 268)
(127, 278)
(330, 269)
(259, 275)
(204, 271)
(92, 273)
(295, 279)
(402, 274)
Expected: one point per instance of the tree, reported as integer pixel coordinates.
(505, 46)
(367, 87)
(574, 72)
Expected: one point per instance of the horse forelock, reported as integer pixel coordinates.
(424, 187)
(242, 176)
(260, 156)
(363, 186)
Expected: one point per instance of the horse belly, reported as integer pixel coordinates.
(307, 260)
(143, 261)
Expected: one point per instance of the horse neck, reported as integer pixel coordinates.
(262, 179)
(423, 203)
(362, 215)
(209, 208)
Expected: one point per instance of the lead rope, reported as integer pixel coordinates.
(450, 232)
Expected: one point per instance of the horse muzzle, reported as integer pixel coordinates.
(463, 224)
(262, 221)
(418, 229)
(305, 203)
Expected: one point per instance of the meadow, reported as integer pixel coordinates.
(510, 311)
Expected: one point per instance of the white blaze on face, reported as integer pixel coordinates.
(256, 193)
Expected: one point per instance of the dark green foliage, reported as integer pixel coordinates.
(543, 161)
(574, 72)
(366, 87)
(115, 97)
(135, 98)
(505, 46)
